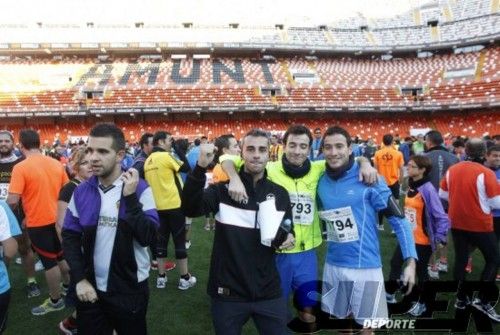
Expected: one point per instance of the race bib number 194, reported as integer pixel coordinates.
(341, 226)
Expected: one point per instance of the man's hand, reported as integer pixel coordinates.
(409, 275)
(85, 291)
(237, 191)
(207, 154)
(367, 174)
(130, 181)
(289, 243)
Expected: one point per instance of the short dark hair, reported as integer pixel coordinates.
(6, 132)
(423, 162)
(387, 139)
(222, 142)
(110, 130)
(197, 141)
(145, 139)
(434, 137)
(496, 137)
(297, 129)
(337, 130)
(492, 148)
(29, 139)
(256, 133)
(475, 148)
(160, 135)
(458, 143)
(182, 145)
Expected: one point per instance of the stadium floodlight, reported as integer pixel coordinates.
(178, 56)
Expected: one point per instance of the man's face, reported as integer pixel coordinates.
(148, 147)
(204, 140)
(297, 149)
(493, 159)
(234, 147)
(166, 144)
(317, 134)
(274, 140)
(6, 145)
(255, 154)
(428, 143)
(336, 151)
(104, 160)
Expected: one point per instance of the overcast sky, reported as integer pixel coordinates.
(198, 11)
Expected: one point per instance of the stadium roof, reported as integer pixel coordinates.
(201, 12)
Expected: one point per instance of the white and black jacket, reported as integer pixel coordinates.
(241, 269)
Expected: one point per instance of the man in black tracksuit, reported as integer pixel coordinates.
(243, 280)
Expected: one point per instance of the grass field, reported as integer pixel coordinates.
(171, 311)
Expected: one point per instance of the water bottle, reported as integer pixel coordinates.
(284, 229)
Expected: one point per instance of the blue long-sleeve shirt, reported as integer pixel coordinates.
(349, 209)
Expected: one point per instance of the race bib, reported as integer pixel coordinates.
(341, 226)
(411, 216)
(4, 191)
(302, 208)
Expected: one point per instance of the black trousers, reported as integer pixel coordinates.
(269, 316)
(4, 306)
(488, 245)
(124, 313)
(424, 253)
(172, 222)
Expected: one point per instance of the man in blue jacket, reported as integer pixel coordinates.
(110, 222)
(352, 276)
